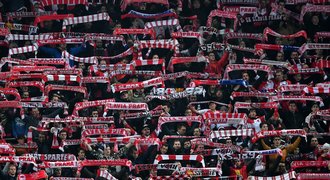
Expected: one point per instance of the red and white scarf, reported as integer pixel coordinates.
(21, 50)
(17, 159)
(60, 41)
(56, 2)
(43, 18)
(187, 119)
(309, 176)
(98, 79)
(259, 105)
(169, 22)
(252, 94)
(126, 106)
(118, 56)
(297, 98)
(313, 8)
(181, 60)
(268, 31)
(59, 164)
(236, 67)
(120, 31)
(242, 10)
(11, 91)
(162, 157)
(293, 88)
(123, 140)
(89, 60)
(125, 3)
(305, 164)
(17, 84)
(52, 157)
(162, 43)
(264, 61)
(82, 105)
(60, 71)
(6, 148)
(138, 85)
(199, 172)
(321, 35)
(78, 89)
(32, 68)
(316, 90)
(92, 132)
(232, 132)
(222, 14)
(287, 176)
(19, 27)
(166, 166)
(237, 35)
(85, 19)
(313, 46)
(33, 176)
(49, 61)
(67, 78)
(206, 142)
(24, 37)
(291, 132)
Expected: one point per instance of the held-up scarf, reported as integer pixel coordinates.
(229, 133)
(125, 3)
(24, 37)
(37, 84)
(242, 10)
(297, 98)
(181, 60)
(59, 164)
(89, 60)
(128, 52)
(237, 35)
(265, 62)
(11, 91)
(69, 178)
(60, 71)
(199, 172)
(19, 27)
(310, 176)
(33, 176)
(90, 132)
(134, 72)
(162, 157)
(78, 89)
(52, 157)
(120, 31)
(83, 105)
(206, 142)
(137, 85)
(146, 167)
(287, 176)
(95, 126)
(305, 164)
(85, 19)
(217, 117)
(126, 106)
(268, 31)
(222, 14)
(251, 94)
(26, 76)
(162, 43)
(295, 70)
(86, 80)
(60, 41)
(316, 90)
(187, 119)
(259, 105)
(24, 49)
(32, 68)
(220, 82)
(136, 14)
(166, 137)
(124, 140)
(21, 14)
(276, 47)
(17, 159)
(212, 30)
(56, 2)
(321, 35)
(6, 148)
(231, 2)
(238, 67)
(195, 35)
(313, 8)
(291, 132)
(171, 177)
(311, 46)
(293, 88)
(247, 19)
(212, 47)
(67, 78)
(43, 18)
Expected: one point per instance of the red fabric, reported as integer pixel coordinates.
(239, 171)
(218, 66)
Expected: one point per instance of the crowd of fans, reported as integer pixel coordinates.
(164, 89)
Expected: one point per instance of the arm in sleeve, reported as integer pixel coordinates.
(223, 61)
(264, 145)
(290, 148)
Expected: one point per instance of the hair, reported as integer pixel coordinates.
(176, 140)
(261, 124)
(180, 126)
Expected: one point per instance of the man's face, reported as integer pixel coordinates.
(279, 76)
(294, 55)
(245, 76)
(211, 57)
(264, 127)
(188, 112)
(12, 171)
(177, 145)
(25, 95)
(212, 106)
(95, 114)
(187, 145)
(35, 112)
(277, 141)
(292, 107)
(229, 142)
(107, 151)
(314, 142)
(63, 135)
(279, 57)
(252, 114)
(182, 130)
(197, 132)
(55, 99)
(146, 131)
(41, 138)
(163, 149)
(81, 154)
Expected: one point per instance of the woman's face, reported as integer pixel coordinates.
(315, 108)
